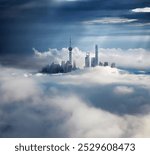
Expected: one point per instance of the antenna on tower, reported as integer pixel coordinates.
(70, 48)
(70, 41)
(70, 52)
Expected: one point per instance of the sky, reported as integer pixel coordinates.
(89, 102)
(47, 24)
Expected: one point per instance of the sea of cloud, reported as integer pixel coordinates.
(94, 102)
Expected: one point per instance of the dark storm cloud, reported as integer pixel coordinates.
(43, 24)
(68, 10)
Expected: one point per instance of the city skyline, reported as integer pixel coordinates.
(70, 64)
(97, 54)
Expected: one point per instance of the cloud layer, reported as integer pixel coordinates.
(96, 102)
(131, 58)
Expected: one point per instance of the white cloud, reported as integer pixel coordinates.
(123, 90)
(16, 88)
(84, 100)
(110, 20)
(131, 58)
(145, 10)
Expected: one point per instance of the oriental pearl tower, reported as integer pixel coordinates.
(70, 52)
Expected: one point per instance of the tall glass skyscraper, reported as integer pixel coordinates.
(96, 55)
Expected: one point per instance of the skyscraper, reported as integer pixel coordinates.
(93, 62)
(96, 55)
(87, 60)
(70, 53)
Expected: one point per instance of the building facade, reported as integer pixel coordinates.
(87, 60)
(96, 55)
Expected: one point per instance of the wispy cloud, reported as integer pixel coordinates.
(138, 10)
(110, 20)
(142, 24)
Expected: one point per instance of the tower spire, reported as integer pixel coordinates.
(70, 42)
(96, 55)
(70, 52)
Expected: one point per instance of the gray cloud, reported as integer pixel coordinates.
(40, 24)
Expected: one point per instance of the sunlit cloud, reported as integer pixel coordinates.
(142, 10)
(131, 58)
(123, 90)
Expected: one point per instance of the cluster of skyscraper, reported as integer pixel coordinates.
(64, 67)
(95, 60)
(69, 66)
